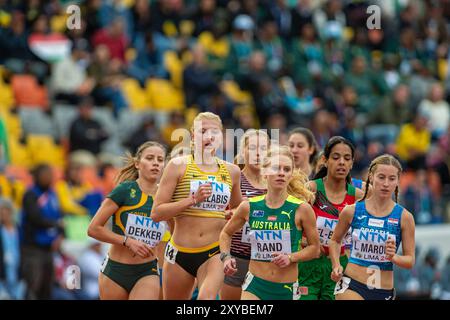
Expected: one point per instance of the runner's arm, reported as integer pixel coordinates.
(163, 208)
(305, 220)
(97, 229)
(236, 222)
(236, 197)
(345, 220)
(408, 258)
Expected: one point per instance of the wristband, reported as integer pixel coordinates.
(124, 242)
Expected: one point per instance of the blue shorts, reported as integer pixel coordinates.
(363, 290)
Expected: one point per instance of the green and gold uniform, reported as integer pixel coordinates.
(133, 219)
(272, 230)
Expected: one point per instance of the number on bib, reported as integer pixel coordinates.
(170, 253)
(342, 285)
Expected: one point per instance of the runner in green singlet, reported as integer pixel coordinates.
(333, 192)
(130, 270)
(277, 221)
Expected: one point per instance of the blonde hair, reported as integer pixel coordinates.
(297, 185)
(204, 116)
(129, 171)
(386, 159)
(240, 159)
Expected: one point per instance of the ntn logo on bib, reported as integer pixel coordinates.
(145, 229)
(266, 242)
(370, 245)
(219, 199)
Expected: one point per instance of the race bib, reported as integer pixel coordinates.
(104, 263)
(342, 285)
(170, 254)
(370, 245)
(266, 242)
(246, 238)
(145, 229)
(219, 199)
(325, 227)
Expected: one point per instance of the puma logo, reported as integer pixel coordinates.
(287, 287)
(288, 214)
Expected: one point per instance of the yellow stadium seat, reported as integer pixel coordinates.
(6, 96)
(175, 68)
(232, 90)
(135, 95)
(128, 3)
(42, 149)
(190, 115)
(5, 19)
(18, 153)
(164, 96)
(13, 124)
(219, 48)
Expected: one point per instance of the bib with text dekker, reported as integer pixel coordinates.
(266, 242)
(145, 229)
(370, 244)
(219, 199)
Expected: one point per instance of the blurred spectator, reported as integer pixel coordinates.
(219, 104)
(282, 15)
(273, 47)
(267, 97)
(330, 20)
(146, 132)
(204, 16)
(419, 199)
(4, 146)
(369, 85)
(411, 55)
(86, 133)
(308, 56)
(176, 121)
(90, 263)
(108, 75)
(429, 274)
(114, 38)
(241, 45)
(75, 196)
(445, 281)
(392, 113)
(90, 12)
(11, 284)
(111, 10)
(198, 80)
(78, 85)
(301, 14)
(407, 283)
(149, 61)
(166, 16)
(438, 110)
(41, 228)
(321, 127)
(413, 142)
(141, 18)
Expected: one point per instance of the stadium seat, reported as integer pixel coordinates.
(42, 149)
(129, 121)
(220, 48)
(19, 153)
(58, 23)
(19, 173)
(6, 96)
(63, 116)
(106, 119)
(232, 90)
(175, 68)
(164, 96)
(35, 121)
(13, 125)
(135, 95)
(28, 93)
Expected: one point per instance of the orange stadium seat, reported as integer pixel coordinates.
(19, 173)
(28, 92)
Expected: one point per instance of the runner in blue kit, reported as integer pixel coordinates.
(379, 225)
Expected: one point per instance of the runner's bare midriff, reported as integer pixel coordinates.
(362, 274)
(124, 255)
(273, 273)
(196, 232)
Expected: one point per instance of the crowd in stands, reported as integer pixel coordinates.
(73, 101)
